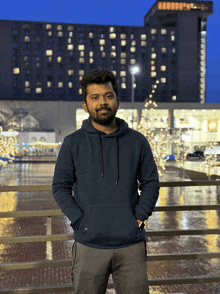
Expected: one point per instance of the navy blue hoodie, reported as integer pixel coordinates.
(95, 185)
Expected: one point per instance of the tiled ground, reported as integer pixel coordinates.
(29, 174)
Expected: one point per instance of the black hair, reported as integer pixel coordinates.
(98, 76)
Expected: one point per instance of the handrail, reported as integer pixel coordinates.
(57, 212)
(162, 184)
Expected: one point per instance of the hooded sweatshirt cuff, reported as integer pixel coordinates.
(141, 215)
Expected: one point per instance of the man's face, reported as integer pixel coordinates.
(102, 103)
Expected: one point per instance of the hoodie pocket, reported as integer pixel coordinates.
(109, 224)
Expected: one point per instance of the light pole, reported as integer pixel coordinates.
(134, 70)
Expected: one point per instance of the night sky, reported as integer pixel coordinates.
(114, 12)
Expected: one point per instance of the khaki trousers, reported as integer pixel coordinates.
(91, 268)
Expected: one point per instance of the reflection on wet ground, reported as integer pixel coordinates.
(41, 174)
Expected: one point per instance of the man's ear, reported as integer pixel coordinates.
(84, 106)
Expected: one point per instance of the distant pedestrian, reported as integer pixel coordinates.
(95, 185)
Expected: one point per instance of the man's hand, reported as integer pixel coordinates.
(139, 222)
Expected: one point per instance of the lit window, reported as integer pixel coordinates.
(168, 6)
(49, 52)
(49, 27)
(163, 80)
(16, 71)
(163, 68)
(112, 29)
(174, 98)
(71, 34)
(164, 5)
(123, 55)
(153, 31)
(70, 72)
(81, 60)
(153, 74)
(81, 53)
(80, 78)
(70, 28)
(69, 40)
(27, 84)
(173, 50)
(81, 72)
(70, 46)
(123, 36)
(153, 55)
(113, 54)
(60, 34)
(80, 91)
(103, 54)
(114, 73)
(133, 49)
(134, 85)
(123, 61)
(152, 62)
(133, 61)
(59, 59)
(38, 90)
(143, 43)
(122, 73)
(27, 39)
(91, 54)
(143, 37)
(81, 47)
(90, 35)
(160, 6)
(113, 48)
(102, 42)
(172, 38)
(112, 36)
(49, 33)
(123, 85)
(163, 49)
(90, 60)
(59, 27)
(163, 32)
(123, 43)
(123, 79)
(49, 58)
(49, 84)
(70, 84)
(60, 84)
(133, 43)
(101, 48)
(153, 68)
(27, 90)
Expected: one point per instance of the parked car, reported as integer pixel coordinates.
(196, 154)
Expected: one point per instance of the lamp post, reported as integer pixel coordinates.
(134, 70)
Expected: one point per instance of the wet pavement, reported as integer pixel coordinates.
(32, 173)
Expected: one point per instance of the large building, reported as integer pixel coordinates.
(42, 61)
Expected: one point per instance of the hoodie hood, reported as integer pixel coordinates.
(120, 131)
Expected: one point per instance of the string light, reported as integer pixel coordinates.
(8, 147)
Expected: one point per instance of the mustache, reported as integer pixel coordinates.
(104, 108)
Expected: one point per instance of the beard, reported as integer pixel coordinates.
(104, 119)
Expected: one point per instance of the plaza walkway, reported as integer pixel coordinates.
(32, 173)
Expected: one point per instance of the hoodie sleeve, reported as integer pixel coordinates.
(147, 175)
(63, 180)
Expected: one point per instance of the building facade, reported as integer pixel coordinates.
(43, 61)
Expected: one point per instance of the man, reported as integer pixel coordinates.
(101, 163)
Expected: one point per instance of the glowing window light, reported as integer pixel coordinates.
(16, 71)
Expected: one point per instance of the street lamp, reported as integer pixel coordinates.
(134, 70)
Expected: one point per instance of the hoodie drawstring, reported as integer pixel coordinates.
(101, 158)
